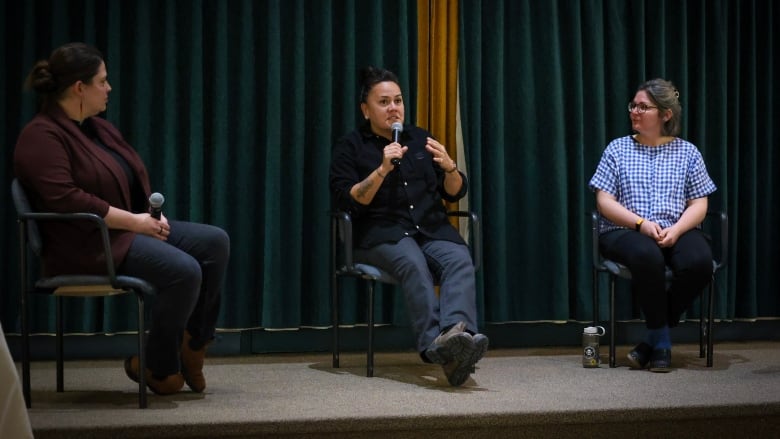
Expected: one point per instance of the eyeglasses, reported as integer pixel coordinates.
(640, 108)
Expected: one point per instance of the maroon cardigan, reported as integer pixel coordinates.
(62, 170)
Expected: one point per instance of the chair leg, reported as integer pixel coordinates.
(702, 326)
(25, 349)
(612, 362)
(23, 313)
(710, 319)
(141, 353)
(334, 313)
(370, 353)
(595, 298)
(59, 347)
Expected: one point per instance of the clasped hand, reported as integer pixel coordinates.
(155, 228)
(663, 237)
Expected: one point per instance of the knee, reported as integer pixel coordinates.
(187, 273)
(411, 267)
(219, 243)
(462, 264)
(460, 268)
(648, 256)
(700, 265)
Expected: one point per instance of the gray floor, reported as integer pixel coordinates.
(514, 393)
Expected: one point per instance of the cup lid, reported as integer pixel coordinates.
(594, 330)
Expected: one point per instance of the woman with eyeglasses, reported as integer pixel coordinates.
(651, 191)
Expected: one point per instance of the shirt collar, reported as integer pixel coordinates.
(365, 131)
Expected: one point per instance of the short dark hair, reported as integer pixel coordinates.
(67, 64)
(371, 76)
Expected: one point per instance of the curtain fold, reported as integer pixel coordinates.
(437, 76)
(544, 87)
(235, 106)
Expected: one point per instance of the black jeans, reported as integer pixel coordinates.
(690, 260)
(188, 271)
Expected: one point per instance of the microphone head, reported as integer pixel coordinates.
(397, 126)
(156, 200)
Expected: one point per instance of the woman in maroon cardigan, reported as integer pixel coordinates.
(69, 160)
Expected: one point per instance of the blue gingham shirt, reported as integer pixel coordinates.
(655, 182)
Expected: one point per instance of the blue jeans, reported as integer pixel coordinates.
(188, 271)
(418, 266)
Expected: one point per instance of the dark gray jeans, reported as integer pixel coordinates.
(188, 272)
(419, 266)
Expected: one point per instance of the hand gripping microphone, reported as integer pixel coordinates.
(397, 128)
(156, 201)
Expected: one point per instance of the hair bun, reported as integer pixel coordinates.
(370, 76)
(41, 78)
(367, 74)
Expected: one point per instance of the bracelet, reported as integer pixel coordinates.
(454, 168)
(639, 224)
(379, 173)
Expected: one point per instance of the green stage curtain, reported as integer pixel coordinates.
(544, 87)
(235, 106)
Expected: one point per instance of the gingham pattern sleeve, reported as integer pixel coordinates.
(606, 176)
(698, 184)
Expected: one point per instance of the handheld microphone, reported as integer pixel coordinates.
(156, 201)
(397, 128)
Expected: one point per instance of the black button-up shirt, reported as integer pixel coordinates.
(410, 198)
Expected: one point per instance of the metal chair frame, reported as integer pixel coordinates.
(341, 239)
(71, 285)
(616, 270)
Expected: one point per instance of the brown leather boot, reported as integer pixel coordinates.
(192, 364)
(166, 386)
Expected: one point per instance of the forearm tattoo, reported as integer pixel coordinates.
(364, 187)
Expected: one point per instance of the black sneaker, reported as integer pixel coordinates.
(640, 356)
(440, 351)
(465, 354)
(661, 360)
(481, 342)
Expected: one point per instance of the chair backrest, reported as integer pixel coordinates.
(22, 204)
(474, 234)
(31, 238)
(341, 241)
(595, 220)
(718, 231)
